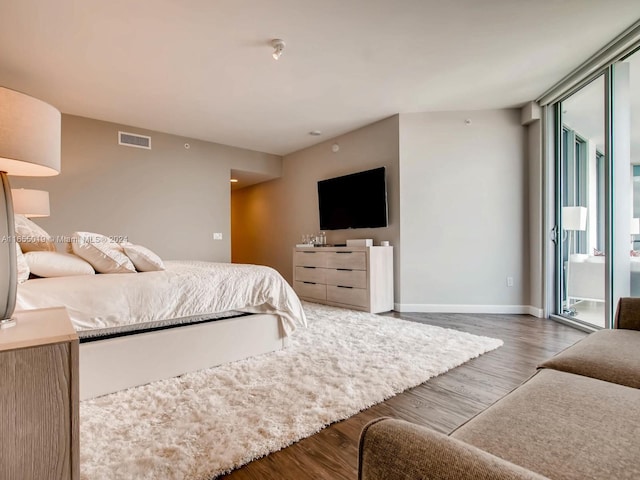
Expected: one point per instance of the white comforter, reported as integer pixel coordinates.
(184, 289)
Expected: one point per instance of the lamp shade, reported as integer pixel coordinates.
(29, 146)
(29, 135)
(30, 203)
(574, 218)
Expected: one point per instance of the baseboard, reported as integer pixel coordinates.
(443, 308)
(535, 311)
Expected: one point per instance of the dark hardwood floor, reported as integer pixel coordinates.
(441, 403)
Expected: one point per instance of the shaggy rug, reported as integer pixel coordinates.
(209, 422)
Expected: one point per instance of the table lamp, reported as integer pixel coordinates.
(30, 203)
(573, 219)
(29, 146)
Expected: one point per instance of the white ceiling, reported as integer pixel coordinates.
(203, 68)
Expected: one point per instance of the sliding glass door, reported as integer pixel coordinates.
(581, 170)
(630, 69)
(597, 195)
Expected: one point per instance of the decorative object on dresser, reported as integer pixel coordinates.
(360, 242)
(29, 146)
(360, 278)
(319, 240)
(39, 407)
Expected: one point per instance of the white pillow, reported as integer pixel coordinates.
(31, 237)
(104, 255)
(23, 266)
(55, 264)
(143, 258)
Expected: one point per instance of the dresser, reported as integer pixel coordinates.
(39, 409)
(360, 278)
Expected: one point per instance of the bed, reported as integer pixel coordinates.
(136, 328)
(586, 277)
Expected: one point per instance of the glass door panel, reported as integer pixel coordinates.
(582, 170)
(628, 77)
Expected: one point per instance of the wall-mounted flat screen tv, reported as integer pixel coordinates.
(358, 200)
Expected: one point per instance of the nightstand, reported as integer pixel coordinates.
(39, 409)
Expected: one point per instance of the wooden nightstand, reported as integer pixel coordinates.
(39, 420)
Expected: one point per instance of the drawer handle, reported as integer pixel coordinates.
(309, 267)
(345, 269)
(336, 252)
(310, 283)
(342, 286)
(308, 252)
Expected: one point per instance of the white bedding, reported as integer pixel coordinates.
(184, 289)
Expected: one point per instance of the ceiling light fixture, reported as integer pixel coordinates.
(278, 47)
(234, 180)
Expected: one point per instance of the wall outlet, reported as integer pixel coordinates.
(509, 281)
(217, 236)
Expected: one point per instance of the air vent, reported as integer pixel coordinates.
(134, 140)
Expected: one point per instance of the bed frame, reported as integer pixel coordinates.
(113, 364)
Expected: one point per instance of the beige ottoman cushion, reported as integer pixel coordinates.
(563, 426)
(397, 450)
(610, 355)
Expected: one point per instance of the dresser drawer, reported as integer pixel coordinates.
(309, 259)
(349, 296)
(317, 291)
(311, 274)
(354, 260)
(360, 278)
(347, 278)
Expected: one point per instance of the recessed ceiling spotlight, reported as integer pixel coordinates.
(278, 47)
(315, 133)
(234, 180)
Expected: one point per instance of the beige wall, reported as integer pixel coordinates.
(464, 212)
(459, 192)
(169, 198)
(268, 219)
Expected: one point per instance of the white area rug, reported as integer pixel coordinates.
(209, 422)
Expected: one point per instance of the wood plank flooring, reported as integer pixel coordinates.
(441, 403)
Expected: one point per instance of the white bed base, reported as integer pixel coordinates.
(110, 365)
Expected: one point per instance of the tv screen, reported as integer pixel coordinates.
(358, 200)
